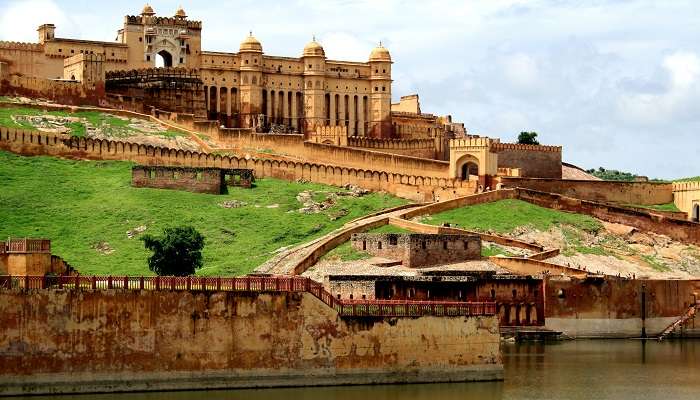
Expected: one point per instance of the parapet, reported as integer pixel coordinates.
(140, 20)
(21, 46)
(496, 147)
(473, 142)
(686, 186)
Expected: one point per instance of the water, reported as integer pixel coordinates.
(613, 369)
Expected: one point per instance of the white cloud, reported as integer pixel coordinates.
(20, 19)
(521, 70)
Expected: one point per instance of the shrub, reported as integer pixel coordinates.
(178, 252)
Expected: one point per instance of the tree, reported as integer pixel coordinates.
(178, 252)
(528, 138)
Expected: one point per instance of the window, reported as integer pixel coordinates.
(376, 89)
(60, 50)
(444, 245)
(140, 39)
(181, 60)
(379, 245)
(338, 296)
(383, 88)
(364, 245)
(72, 51)
(466, 245)
(422, 245)
(393, 240)
(515, 293)
(383, 71)
(246, 61)
(112, 54)
(148, 58)
(350, 296)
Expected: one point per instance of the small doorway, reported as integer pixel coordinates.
(696, 213)
(469, 169)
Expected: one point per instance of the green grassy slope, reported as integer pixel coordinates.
(505, 215)
(80, 204)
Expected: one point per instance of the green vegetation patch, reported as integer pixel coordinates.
(655, 264)
(505, 215)
(690, 179)
(659, 207)
(492, 250)
(86, 208)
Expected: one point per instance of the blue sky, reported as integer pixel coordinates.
(617, 83)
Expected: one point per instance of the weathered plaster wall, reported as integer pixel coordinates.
(532, 160)
(190, 179)
(613, 307)
(642, 193)
(686, 196)
(81, 341)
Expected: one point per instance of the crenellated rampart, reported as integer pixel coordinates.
(415, 187)
(422, 148)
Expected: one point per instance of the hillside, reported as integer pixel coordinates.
(584, 241)
(86, 208)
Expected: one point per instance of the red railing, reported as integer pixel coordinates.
(346, 308)
(27, 246)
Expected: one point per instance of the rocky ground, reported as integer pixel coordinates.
(618, 249)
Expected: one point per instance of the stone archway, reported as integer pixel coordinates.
(696, 213)
(468, 166)
(164, 59)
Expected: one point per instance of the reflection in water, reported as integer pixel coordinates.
(615, 369)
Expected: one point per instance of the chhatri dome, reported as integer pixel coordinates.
(250, 43)
(380, 53)
(314, 48)
(180, 13)
(148, 10)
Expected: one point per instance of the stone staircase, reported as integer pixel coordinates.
(689, 314)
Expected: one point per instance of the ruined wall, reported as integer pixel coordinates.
(114, 340)
(613, 307)
(534, 161)
(414, 187)
(418, 250)
(422, 148)
(686, 196)
(69, 93)
(642, 193)
(198, 180)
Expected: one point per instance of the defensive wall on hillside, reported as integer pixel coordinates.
(422, 148)
(532, 160)
(414, 187)
(641, 193)
(64, 92)
(109, 340)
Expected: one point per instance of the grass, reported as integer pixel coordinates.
(689, 179)
(655, 264)
(494, 250)
(659, 207)
(80, 205)
(505, 215)
(115, 125)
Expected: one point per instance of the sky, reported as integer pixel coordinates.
(616, 83)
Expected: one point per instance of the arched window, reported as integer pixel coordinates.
(696, 213)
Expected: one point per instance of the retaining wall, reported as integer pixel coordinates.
(642, 193)
(76, 341)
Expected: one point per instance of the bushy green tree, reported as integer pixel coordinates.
(178, 252)
(528, 138)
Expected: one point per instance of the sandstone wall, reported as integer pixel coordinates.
(189, 179)
(414, 187)
(642, 193)
(686, 196)
(613, 307)
(677, 229)
(422, 148)
(533, 161)
(66, 341)
(70, 93)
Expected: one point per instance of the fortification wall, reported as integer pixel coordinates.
(533, 160)
(70, 93)
(613, 307)
(414, 187)
(422, 148)
(686, 196)
(119, 340)
(677, 229)
(28, 59)
(642, 193)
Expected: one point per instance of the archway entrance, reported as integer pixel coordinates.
(696, 213)
(469, 168)
(164, 59)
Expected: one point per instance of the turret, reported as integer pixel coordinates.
(380, 99)
(250, 55)
(46, 33)
(314, 59)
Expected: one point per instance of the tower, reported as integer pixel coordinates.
(46, 32)
(314, 59)
(380, 99)
(250, 54)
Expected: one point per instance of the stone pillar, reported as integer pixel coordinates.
(331, 114)
(351, 124)
(217, 93)
(228, 107)
(341, 111)
(285, 108)
(295, 123)
(206, 100)
(269, 107)
(361, 116)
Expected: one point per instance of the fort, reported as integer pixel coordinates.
(419, 300)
